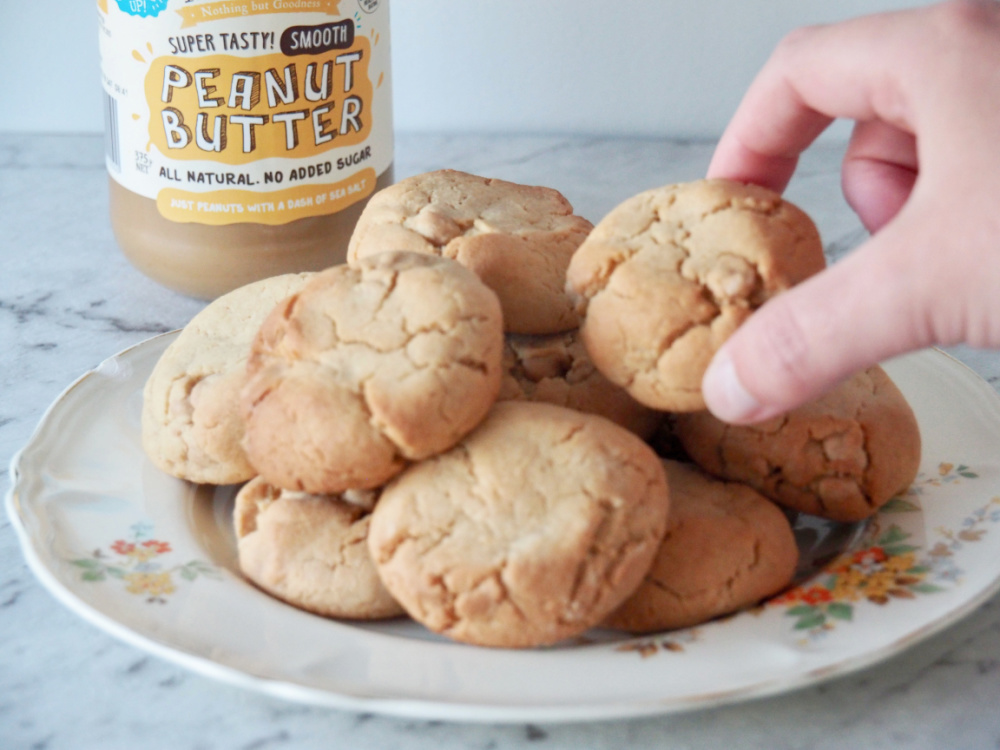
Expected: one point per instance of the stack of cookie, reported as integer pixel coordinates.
(455, 425)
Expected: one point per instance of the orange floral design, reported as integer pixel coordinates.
(137, 566)
(887, 568)
(150, 584)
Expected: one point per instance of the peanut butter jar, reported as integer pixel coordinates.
(243, 137)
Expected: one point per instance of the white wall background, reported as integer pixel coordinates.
(630, 67)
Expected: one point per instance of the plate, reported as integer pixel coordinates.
(151, 560)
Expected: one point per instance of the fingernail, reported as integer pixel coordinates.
(725, 395)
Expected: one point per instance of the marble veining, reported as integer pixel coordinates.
(68, 300)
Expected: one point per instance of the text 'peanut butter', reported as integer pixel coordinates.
(244, 137)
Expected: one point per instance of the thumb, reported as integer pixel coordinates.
(801, 343)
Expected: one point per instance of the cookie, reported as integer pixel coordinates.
(726, 548)
(191, 422)
(531, 530)
(556, 369)
(669, 274)
(310, 551)
(840, 457)
(517, 238)
(369, 367)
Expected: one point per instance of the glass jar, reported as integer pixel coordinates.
(243, 137)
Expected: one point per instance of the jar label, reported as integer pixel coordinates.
(263, 111)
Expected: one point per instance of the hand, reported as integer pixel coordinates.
(922, 170)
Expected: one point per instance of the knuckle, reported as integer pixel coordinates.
(793, 42)
(967, 16)
(965, 29)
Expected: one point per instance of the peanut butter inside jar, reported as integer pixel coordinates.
(205, 261)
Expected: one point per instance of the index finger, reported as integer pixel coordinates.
(815, 75)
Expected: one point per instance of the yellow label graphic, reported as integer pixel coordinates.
(236, 109)
(229, 206)
(238, 8)
(265, 111)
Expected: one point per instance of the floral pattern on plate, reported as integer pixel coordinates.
(139, 563)
(886, 565)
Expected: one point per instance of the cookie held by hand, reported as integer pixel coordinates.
(369, 367)
(668, 275)
(531, 530)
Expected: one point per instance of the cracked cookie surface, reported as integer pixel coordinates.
(369, 367)
(517, 238)
(191, 422)
(726, 548)
(529, 531)
(668, 275)
(840, 457)
(556, 369)
(310, 551)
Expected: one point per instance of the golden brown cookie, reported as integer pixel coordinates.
(669, 274)
(191, 422)
(368, 367)
(726, 548)
(841, 456)
(531, 530)
(310, 551)
(517, 238)
(556, 369)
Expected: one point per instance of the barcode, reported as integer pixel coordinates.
(112, 146)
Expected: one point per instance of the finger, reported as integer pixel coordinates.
(815, 75)
(734, 160)
(863, 310)
(880, 169)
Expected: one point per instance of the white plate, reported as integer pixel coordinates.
(151, 560)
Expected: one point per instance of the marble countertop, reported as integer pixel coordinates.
(68, 300)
